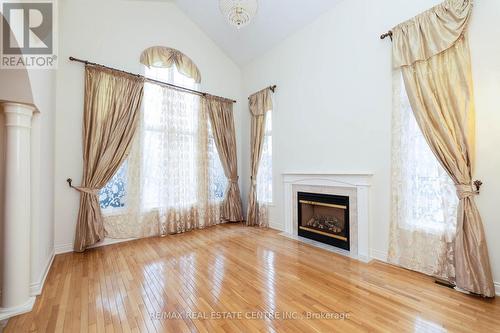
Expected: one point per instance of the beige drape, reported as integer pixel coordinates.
(221, 118)
(433, 52)
(259, 104)
(111, 115)
(166, 57)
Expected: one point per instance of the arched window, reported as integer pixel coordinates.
(164, 59)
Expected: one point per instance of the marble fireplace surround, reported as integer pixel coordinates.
(355, 186)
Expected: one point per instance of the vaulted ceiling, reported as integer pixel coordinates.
(275, 20)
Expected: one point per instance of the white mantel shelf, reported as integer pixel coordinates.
(354, 185)
(361, 178)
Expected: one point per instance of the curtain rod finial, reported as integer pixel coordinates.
(478, 185)
(387, 34)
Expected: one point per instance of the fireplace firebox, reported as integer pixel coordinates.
(324, 218)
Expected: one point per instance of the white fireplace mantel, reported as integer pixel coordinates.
(354, 185)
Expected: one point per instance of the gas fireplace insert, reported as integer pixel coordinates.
(324, 218)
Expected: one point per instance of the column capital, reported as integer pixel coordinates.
(17, 114)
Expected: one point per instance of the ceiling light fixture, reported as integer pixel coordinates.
(238, 13)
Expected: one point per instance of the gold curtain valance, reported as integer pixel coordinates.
(431, 32)
(261, 102)
(166, 57)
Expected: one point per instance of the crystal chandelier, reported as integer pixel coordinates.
(238, 13)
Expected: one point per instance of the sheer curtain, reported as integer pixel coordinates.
(424, 200)
(173, 175)
(265, 173)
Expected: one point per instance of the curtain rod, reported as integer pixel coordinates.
(387, 34)
(192, 91)
(272, 88)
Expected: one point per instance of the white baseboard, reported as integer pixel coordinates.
(276, 226)
(6, 313)
(497, 288)
(35, 290)
(378, 255)
(64, 248)
(109, 241)
(37, 287)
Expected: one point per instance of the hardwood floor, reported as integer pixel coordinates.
(232, 271)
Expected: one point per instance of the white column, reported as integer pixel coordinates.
(17, 211)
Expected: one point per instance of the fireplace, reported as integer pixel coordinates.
(324, 218)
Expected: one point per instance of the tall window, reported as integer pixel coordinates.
(424, 201)
(428, 195)
(180, 129)
(265, 173)
(169, 121)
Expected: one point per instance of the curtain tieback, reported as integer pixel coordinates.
(91, 191)
(253, 181)
(234, 180)
(466, 191)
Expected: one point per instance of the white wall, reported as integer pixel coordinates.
(15, 85)
(42, 180)
(485, 49)
(115, 32)
(333, 104)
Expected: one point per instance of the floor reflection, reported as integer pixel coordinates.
(151, 285)
(187, 270)
(218, 271)
(269, 257)
(426, 326)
